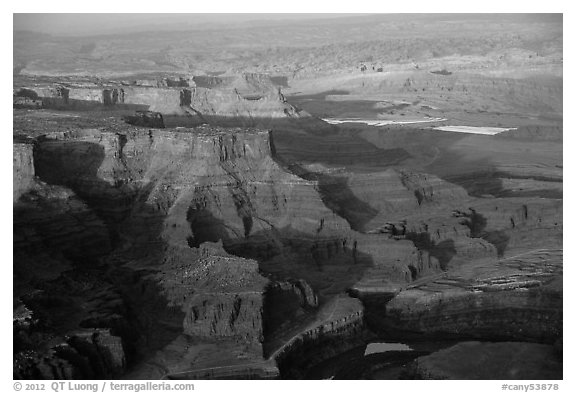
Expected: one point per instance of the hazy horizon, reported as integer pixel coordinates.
(101, 23)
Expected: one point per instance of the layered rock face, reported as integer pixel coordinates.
(451, 231)
(467, 88)
(465, 247)
(219, 294)
(247, 96)
(164, 100)
(269, 103)
(478, 360)
(517, 223)
(343, 330)
(529, 94)
(87, 162)
(517, 298)
(371, 200)
(68, 320)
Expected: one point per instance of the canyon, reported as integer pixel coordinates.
(196, 225)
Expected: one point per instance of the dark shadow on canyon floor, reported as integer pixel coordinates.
(444, 251)
(337, 196)
(127, 300)
(477, 223)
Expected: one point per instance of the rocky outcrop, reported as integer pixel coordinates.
(163, 82)
(219, 294)
(300, 289)
(517, 298)
(524, 220)
(22, 169)
(146, 119)
(431, 190)
(485, 360)
(215, 103)
(26, 103)
(84, 355)
(164, 100)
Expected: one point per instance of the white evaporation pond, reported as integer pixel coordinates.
(474, 130)
(383, 122)
(385, 347)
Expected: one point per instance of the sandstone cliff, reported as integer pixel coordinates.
(245, 97)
